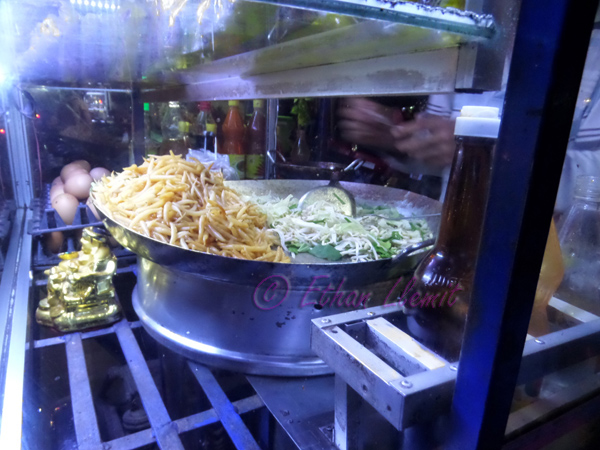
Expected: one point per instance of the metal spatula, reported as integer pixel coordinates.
(333, 193)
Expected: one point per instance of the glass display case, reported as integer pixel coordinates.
(169, 347)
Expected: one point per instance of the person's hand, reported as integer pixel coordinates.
(367, 123)
(428, 138)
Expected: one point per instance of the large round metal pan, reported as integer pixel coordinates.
(255, 316)
(304, 266)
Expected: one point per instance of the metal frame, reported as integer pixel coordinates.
(420, 15)
(14, 297)
(409, 384)
(545, 73)
(164, 431)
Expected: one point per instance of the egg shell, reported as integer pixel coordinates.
(66, 207)
(55, 190)
(54, 241)
(57, 180)
(98, 172)
(78, 184)
(69, 169)
(83, 164)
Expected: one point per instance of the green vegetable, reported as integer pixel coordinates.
(338, 197)
(303, 248)
(301, 109)
(328, 252)
(396, 236)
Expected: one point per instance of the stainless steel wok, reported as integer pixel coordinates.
(254, 316)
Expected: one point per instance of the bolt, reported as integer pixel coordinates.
(406, 384)
(370, 313)
(325, 320)
(454, 368)
(539, 341)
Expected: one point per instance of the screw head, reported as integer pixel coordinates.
(406, 384)
(370, 313)
(539, 341)
(325, 320)
(454, 368)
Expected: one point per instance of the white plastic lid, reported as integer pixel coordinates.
(478, 121)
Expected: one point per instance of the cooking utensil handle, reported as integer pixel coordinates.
(413, 248)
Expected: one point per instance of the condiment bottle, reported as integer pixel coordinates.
(204, 118)
(301, 151)
(580, 242)
(233, 138)
(443, 281)
(257, 137)
(551, 275)
(173, 131)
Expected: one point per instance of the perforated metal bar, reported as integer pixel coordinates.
(237, 430)
(84, 414)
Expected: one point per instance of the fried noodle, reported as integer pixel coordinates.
(183, 203)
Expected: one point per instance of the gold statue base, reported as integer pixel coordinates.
(80, 290)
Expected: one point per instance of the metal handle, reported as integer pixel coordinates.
(413, 248)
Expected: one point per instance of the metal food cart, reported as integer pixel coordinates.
(116, 387)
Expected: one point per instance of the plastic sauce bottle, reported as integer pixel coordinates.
(233, 138)
(580, 242)
(204, 118)
(257, 137)
(551, 275)
(173, 131)
(442, 287)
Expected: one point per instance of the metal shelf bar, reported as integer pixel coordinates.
(451, 20)
(14, 295)
(84, 414)
(164, 430)
(238, 432)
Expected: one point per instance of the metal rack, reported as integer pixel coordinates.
(164, 431)
(410, 384)
(45, 219)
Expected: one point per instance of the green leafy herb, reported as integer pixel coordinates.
(396, 236)
(348, 220)
(303, 248)
(338, 197)
(328, 252)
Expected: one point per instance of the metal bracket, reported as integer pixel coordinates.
(409, 384)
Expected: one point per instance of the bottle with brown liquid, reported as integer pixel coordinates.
(439, 299)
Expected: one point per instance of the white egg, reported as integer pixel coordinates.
(66, 207)
(98, 172)
(78, 184)
(57, 180)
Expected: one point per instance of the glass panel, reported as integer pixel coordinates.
(83, 42)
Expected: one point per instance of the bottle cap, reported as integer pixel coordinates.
(204, 106)
(233, 103)
(478, 121)
(146, 106)
(258, 103)
(587, 188)
(211, 128)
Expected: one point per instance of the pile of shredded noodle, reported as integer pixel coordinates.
(183, 203)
